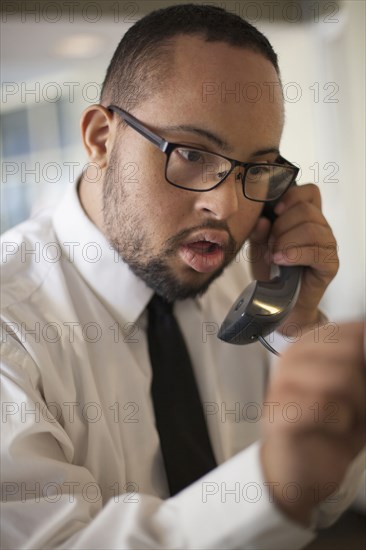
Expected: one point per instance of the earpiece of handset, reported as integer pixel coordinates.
(262, 306)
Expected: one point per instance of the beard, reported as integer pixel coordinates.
(124, 228)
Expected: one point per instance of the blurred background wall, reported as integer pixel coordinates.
(54, 56)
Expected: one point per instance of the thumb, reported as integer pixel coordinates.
(258, 249)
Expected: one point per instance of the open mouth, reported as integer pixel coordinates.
(204, 247)
(204, 252)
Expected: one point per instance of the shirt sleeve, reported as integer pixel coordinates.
(49, 502)
(350, 492)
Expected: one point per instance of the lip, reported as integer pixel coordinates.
(204, 261)
(214, 236)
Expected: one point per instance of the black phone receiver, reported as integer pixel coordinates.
(262, 306)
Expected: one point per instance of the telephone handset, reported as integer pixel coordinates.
(262, 306)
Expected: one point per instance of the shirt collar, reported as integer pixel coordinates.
(123, 293)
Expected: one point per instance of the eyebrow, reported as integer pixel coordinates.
(211, 136)
(214, 138)
(266, 151)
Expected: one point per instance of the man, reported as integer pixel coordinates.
(85, 463)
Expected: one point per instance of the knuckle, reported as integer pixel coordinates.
(315, 191)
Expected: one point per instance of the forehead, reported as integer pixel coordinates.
(222, 87)
(194, 54)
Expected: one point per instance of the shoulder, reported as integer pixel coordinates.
(28, 252)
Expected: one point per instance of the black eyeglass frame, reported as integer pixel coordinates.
(168, 147)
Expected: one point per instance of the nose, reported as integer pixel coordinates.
(224, 201)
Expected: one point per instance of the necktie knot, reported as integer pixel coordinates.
(159, 305)
(160, 313)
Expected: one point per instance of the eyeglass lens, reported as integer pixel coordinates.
(201, 170)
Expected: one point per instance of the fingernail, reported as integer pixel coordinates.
(278, 257)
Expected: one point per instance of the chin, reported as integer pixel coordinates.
(172, 280)
(191, 285)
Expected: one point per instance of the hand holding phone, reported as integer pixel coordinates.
(262, 306)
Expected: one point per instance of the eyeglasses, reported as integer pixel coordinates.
(199, 170)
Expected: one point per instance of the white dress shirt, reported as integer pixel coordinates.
(81, 463)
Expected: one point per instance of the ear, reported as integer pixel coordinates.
(97, 133)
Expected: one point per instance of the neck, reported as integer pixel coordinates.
(90, 196)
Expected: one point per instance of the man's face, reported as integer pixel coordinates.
(179, 241)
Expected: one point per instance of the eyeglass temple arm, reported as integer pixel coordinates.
(145, 132)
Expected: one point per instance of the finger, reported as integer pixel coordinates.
(332, 342)
(309, 243)
(323, 259)
(305, 411)
(303, 226)
(329, 367)
(297, 215)
(299, 193)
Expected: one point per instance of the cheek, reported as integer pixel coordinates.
(168, 204)
(245, 220)
(152, 196)
(172, 210)
(163, 209)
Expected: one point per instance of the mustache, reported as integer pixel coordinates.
(173, 242)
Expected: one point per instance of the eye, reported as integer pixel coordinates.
(191, 155)
(259, 170)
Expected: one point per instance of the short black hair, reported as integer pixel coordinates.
(140, 62)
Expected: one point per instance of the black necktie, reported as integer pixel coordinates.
(184, 439)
